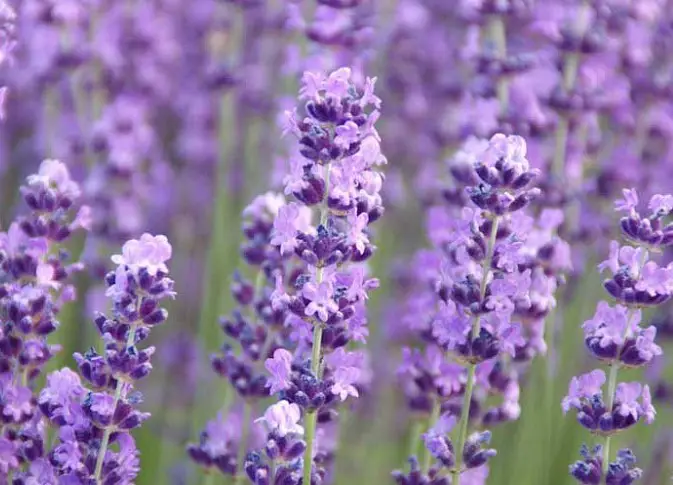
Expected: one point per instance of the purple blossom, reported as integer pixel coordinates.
(511, 337)
(661, 204)
(647, 408)
(301, 331)
(283, 418)
(279, 297)
(280, 368)
(450, 327)
(626, 398)
(312, 84)
(220, 434)
(435, 438)
(646, 346)
(368, 97)
(287, 224)
(337, 84)
(357, 324)
(655, 280)
(629, 202)
(347, 134)
(611, 324)
(53, 173)
(358, 286)
(356, 234)
(343, 358)
(344, 380)
(8, 457)
(62, 386)
(320, 300)
(149, 252)
(581, 387)
(16, 400)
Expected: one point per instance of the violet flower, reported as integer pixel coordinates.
(257, 326)
(88, 421)
(337, 175)
(36, 281)
(614, 335)
(485, 292)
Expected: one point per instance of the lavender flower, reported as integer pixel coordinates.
(614, 335)
(36, 281)
(485, 292)
(89, 420)
(218, 444)
(339, 150)
(284, 446)
(257, 326)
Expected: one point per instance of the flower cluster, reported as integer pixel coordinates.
(283, 447)
(498, 272)
(614, 335)
(218, 444)
(35, 281)
(257, 326)
(339, 150)
(90, 419)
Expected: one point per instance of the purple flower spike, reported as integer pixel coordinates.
(615, 335)
(136, 288)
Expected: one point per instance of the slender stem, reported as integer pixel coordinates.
(561, 142)
(108, 430)
(243, 444)
(498, 34)
(615, 365)
(415, 437)
(471, 370)
(571, 65)
(612, 385)
(209, 478)
(312, 417)
(272, 471)
(464, 421)
(434, 416)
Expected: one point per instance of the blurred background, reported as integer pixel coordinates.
(169, 113)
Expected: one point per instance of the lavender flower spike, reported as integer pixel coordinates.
(135, 288)
(89, 420)
(615, 335)
(334, 171)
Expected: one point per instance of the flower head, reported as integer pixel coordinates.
(282, 418)
(280, 368)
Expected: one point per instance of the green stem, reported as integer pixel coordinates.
(498, 34)
(464, 421)
(571, 65)
(108, 430)
(471, 370)
(415, 437)
(312, 417)
(612, 385)
(434, 417)
(243, 444)
(210, 476)
(560, 147)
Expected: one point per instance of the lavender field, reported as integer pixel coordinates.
(349, 242)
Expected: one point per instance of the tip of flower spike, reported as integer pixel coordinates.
(149, 252)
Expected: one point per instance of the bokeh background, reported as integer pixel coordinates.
(169, 113)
